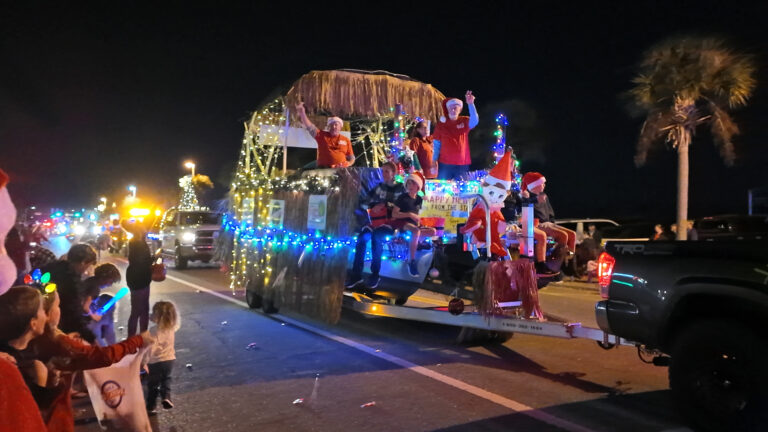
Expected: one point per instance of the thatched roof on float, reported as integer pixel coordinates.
(352, 94)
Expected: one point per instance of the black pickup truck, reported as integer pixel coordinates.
(702, 309)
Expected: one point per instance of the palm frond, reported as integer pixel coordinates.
(680, 76)
(723, 129)
(655, 125)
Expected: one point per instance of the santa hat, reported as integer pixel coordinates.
(335, 120)
(532, 179)
(418, 178)
(500, 174)
(448, 103)
(7, 219)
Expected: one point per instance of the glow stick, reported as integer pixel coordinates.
(108, 305)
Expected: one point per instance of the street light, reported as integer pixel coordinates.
(191, 166)
(132, 188)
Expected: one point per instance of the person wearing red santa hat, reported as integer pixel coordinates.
(405, 215)
(334, 150)
(451, 138)
(544, 216)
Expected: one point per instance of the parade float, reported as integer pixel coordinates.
(289, 236)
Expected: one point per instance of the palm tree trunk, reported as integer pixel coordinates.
(682, 185)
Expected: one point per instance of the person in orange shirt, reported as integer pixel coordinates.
(334, 150)
(421, 143)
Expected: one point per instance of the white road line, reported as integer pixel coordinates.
(421, 370)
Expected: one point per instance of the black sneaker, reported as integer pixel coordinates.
(373, 282)
(167, 404)
(151, 411)
(543, 271)
(413, 268)
(353, 282)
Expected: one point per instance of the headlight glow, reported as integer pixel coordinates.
(188, 237)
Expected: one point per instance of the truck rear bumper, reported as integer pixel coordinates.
(601, 315)
(625, 314)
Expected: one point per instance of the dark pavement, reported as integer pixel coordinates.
(416, 374)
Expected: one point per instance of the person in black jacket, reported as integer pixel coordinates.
(68, 275)
(138, 276)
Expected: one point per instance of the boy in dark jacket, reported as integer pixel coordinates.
(380, 200)
(67, 275)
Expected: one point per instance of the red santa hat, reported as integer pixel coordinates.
(532, 179)
(418, 178)
(448, 102)
(500, 174)
(335, 119)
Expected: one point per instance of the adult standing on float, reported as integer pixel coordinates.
(451, 138)
(334, 150)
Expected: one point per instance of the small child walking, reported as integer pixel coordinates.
(162, 354)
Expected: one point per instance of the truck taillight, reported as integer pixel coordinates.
(605, 265)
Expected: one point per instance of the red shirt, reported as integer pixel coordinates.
(71, 355)
(478, 215)
(425, 152)
(18, 410)
(454, 141)
(332, 151)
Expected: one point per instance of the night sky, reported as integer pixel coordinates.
(95, 98)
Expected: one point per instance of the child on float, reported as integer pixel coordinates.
(162, 355)
(102, 326)
(379, 200)
(50, 359)
(422, 144)
(405, 217)
(544, 216)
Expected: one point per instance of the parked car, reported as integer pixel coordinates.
(638, 231)
(580, 226)
(733, 227)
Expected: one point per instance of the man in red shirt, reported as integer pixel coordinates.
(451, 138)
(334, 150)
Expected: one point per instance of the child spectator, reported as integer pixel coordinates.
(162, 354)
(102, 326)
(67, 275)
(50, 357)
(405, 217)
(379, 200)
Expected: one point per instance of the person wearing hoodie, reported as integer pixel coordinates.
(451, 138)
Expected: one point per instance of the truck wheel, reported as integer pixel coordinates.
(718, 375)
(181, 262)
(401, 301)
(269, 307)
(254, 300)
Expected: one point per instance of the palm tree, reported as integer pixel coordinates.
(682, 83)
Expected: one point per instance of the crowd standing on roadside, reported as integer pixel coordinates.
(50, 330)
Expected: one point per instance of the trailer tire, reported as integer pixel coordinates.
(401, 301)
(474, 337)
(718, 375)
(253, 300)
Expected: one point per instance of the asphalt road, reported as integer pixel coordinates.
(247, 369)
